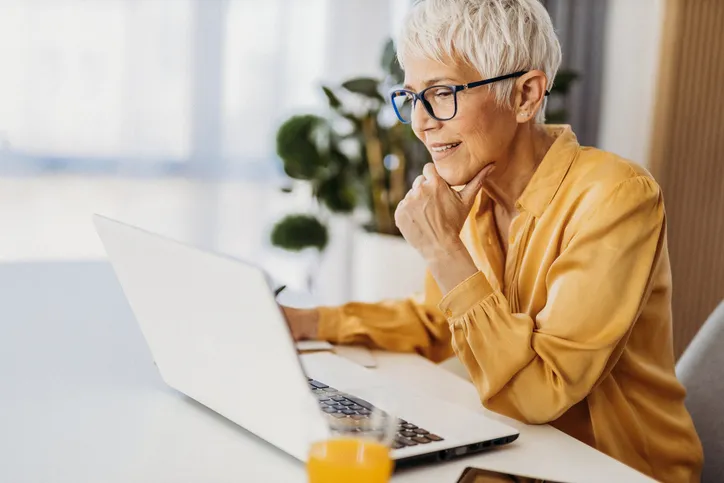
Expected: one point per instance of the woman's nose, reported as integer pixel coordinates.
(421, 119)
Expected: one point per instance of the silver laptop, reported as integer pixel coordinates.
(218, 336)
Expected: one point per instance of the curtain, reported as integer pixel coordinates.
(687, 158)
(166, 84)
(580, 25)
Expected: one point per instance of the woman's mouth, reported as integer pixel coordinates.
(440, 151)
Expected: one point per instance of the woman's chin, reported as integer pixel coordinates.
(458, 177)
(453, 178)
(452, 173)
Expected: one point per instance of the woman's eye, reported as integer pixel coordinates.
(443, 93)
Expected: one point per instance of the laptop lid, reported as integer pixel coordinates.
(216, 333)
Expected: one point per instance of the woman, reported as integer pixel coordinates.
(548, 271)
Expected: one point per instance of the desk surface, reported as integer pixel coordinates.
(82, 401)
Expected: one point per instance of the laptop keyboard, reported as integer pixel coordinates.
(339, 405)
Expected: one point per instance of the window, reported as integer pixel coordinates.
(109, 84)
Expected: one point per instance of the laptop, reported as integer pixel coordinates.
(217, 335)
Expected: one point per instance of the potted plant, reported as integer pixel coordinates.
(359, 160)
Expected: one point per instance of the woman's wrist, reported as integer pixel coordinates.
(451, 265)
(310, 328)
(304, 323)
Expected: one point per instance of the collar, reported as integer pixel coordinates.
(549, 175)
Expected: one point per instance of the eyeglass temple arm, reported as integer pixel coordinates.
(497, 79)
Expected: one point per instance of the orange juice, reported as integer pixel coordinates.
(349, 460)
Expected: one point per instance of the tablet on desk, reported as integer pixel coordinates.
(478, 475)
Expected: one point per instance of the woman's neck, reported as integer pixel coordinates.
(528, 148)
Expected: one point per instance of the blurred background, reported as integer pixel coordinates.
(207, 121)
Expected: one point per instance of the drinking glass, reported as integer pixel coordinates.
(357, 448)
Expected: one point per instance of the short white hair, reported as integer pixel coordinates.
(495, 37)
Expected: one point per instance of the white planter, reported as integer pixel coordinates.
(385, 267)
(332, 285)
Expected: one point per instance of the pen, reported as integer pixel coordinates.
(279, 290)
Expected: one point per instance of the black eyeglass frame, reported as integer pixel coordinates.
(420, 96)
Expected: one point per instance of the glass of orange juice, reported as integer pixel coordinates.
(357, 449)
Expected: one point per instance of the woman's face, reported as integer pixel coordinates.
(480, 133)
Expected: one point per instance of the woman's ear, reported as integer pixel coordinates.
(530, 92)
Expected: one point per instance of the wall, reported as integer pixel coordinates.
(688, 158)
(631, 60)
(357, 32)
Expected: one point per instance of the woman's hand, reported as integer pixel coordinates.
(432, 214)
(302, 322)
(431, 217)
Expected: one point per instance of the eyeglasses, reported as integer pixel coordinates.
(441, 102)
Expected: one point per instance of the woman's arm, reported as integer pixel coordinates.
(399, 325)
(534, 370)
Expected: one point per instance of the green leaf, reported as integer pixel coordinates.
(390, 64)
(334, 101)
(297, 232)
(388, 54)
(365, 86)
(559, 116)
(564, 81)
(297, 146)
(356, 121)
(337, 194)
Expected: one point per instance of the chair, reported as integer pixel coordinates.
(701, 370)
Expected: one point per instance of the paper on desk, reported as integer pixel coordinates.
(357, 354)
(313, 346)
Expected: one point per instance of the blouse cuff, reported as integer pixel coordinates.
(462, 298)
(328, 324)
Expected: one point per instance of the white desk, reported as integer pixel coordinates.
(81, 401)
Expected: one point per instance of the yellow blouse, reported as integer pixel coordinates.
(573, 326)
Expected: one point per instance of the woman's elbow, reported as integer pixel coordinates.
(542, 406)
